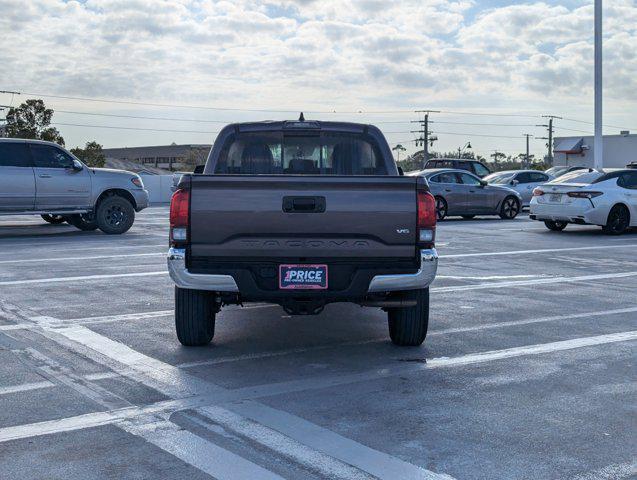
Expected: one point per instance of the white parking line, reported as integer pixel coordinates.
(284, 445)
(421, 364)
(96, 257)
(446, 331)
(539, 250)
(84, 278)
(611, 472)
(488, 277)
(378, 464)
(89, 420)
(165, 378)
(246, 393)
(537, 281)
(198, 452)
(26, 387)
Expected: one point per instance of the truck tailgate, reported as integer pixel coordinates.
(304, 217)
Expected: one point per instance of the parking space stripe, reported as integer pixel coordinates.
(284, 445)
(537, 281)
(421, 364)
(96, 257)
(83, 278)
(445, 331)
(380, 465)
(539, 250)
(93, 419)
(202, 454)
(103, 418)
(611, 472)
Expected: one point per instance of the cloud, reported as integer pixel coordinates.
(318, 53)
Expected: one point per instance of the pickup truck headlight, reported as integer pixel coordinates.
(137, 181)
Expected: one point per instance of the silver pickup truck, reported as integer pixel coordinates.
(302, 214)
(42, 178)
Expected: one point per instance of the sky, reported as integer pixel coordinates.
(492, 68)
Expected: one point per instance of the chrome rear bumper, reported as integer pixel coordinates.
(226, 283)
(411, 281)
(194, 281)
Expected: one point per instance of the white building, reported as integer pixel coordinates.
(619, 150)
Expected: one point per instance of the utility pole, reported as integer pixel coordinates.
(425, 134)
(598, 147)
(550, 137)
(527, 160)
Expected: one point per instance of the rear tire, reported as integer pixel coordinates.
(510, 208)
(83, 221)
(53, 219)
(618, 220)
(408, 326)
(115, 215)
(555, 226)
(194, 317)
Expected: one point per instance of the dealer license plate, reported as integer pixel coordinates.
(555, 197)
(305, 277)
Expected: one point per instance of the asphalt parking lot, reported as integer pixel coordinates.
(528, 370)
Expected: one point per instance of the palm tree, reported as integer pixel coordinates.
(398, 148)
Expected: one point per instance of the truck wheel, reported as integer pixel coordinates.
(53, 219)
(555, 226)
(194, 317)
(408, 326)
(115, 215)
(83, 221)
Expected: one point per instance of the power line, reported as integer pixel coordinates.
(141, 117)
(133, 128)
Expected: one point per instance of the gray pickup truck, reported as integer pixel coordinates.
(301, 214)
(42, 178)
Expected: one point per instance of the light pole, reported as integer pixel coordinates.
(462, 149)
(598, 148)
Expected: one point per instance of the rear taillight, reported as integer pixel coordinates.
(584, 194)
(538, 192)
(179, 212)
(426, 230)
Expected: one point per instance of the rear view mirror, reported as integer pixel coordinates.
(484, 183)
(77, 165)
(515, 182)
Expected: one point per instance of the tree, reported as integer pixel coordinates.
(398, 148)
(194, 157)
(32, 120)
(91, 154)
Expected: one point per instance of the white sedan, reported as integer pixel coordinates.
(588, 197)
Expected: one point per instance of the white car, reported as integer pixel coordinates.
(588, 197)
(522, 181)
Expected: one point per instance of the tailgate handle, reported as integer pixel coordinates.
(304, 204)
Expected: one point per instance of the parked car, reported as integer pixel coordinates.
(522, 181)
(458, 192)
(474, 166)
(302, 214)
(606, 198)
(558, 171)
(42, 178)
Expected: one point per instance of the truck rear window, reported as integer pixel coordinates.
(294, 154)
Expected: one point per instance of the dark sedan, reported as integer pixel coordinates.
(459, 192)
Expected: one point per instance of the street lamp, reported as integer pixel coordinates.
(460, 150)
